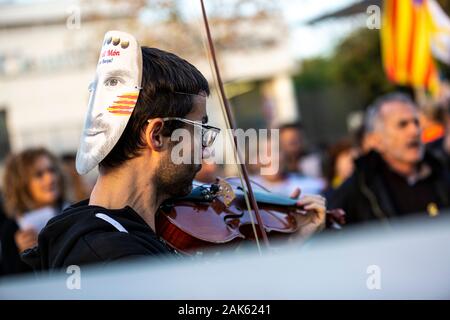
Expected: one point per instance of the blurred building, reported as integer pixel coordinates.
(46, 64)
(48, 52)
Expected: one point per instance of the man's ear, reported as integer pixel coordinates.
(153, 134)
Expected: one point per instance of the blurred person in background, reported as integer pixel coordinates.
(432, 121)
(339, 166)
(283, 181)
(440, 147)
(33, 193)
(292, 142)
(365, 137)
(398, 178)
(77, 188)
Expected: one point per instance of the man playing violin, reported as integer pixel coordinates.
(132, 147)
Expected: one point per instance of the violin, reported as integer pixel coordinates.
(214, 217)
(227, 213)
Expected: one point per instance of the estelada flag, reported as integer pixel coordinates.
(406, 44)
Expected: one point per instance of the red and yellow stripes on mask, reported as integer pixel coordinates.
(406, 44)
(124, 104)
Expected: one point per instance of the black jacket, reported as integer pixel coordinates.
(78, 237)
(436, 148)
(365, 196)
(10, 260)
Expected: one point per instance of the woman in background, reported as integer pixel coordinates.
(340, 165)
(33, 192)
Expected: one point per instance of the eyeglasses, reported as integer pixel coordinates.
(209, 133)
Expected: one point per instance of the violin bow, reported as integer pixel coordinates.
(249, 196)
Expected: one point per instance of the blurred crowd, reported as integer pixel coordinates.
(396, 164)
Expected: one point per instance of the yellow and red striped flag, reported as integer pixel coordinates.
(406, 44)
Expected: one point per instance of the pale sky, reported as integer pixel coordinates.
(306, 41)
(320, 38)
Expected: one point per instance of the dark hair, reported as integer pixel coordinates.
(333, 152)
(68, 157)
(168, 85)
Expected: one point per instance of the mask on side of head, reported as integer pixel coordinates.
(113, 96)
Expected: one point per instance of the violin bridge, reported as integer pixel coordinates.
(226, 191)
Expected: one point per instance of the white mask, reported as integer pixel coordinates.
(114, 93)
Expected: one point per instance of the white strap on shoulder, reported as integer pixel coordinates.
(111, 221)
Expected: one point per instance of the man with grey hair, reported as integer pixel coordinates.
(397, 177)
